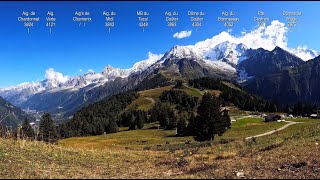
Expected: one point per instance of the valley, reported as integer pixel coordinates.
(11, 115)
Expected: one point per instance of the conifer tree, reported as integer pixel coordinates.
(178, 84)
(26, 130)
(132, 120)
(209, 120)
(112, 126)
(47, 129)
(141, 118)
(182, 129)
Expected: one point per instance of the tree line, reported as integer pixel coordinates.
(238, 96)
(47, 131)
(174, 109)
(190, 116)
(97, 118)
(251, 102)
(300, 109)
(202, 120)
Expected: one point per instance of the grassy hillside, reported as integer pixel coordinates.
(136, 139)
(242, 128)
(147, 98)
(231, 85)
(156, 153)
(152, 153)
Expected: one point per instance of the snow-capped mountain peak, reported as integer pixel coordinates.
(304, 53)
(111, 73)
(34, 86)
(144, 64)
(179, 52)
(226, 51)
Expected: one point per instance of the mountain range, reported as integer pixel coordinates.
(11, 115)
(300, 83)
(255, 68)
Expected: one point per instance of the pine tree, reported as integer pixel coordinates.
(112, 126)
(2, 130)
(163, 114)
(178, 84)
(223, 123)
(182, 129)
(190, 131)
(47, 129)
(141, 118)
(132, 120)
(209, 120)
(125, 120)
(154, 113)
(63, 131)
(26, 130)
(173, 120)
(166, 116)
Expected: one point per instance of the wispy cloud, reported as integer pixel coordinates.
(182, 34)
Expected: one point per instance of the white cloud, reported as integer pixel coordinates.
(80, 70)
(152, 58)
(182, 34)
(52, 75)
(92, 76)
(90, 70)
(304, 53)
(266, 37)
(261, 37)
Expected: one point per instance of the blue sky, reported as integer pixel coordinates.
(25, 57)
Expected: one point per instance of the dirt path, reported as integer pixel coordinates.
(233, 118)
(150, 99)
(273, 131)
(243, 117)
